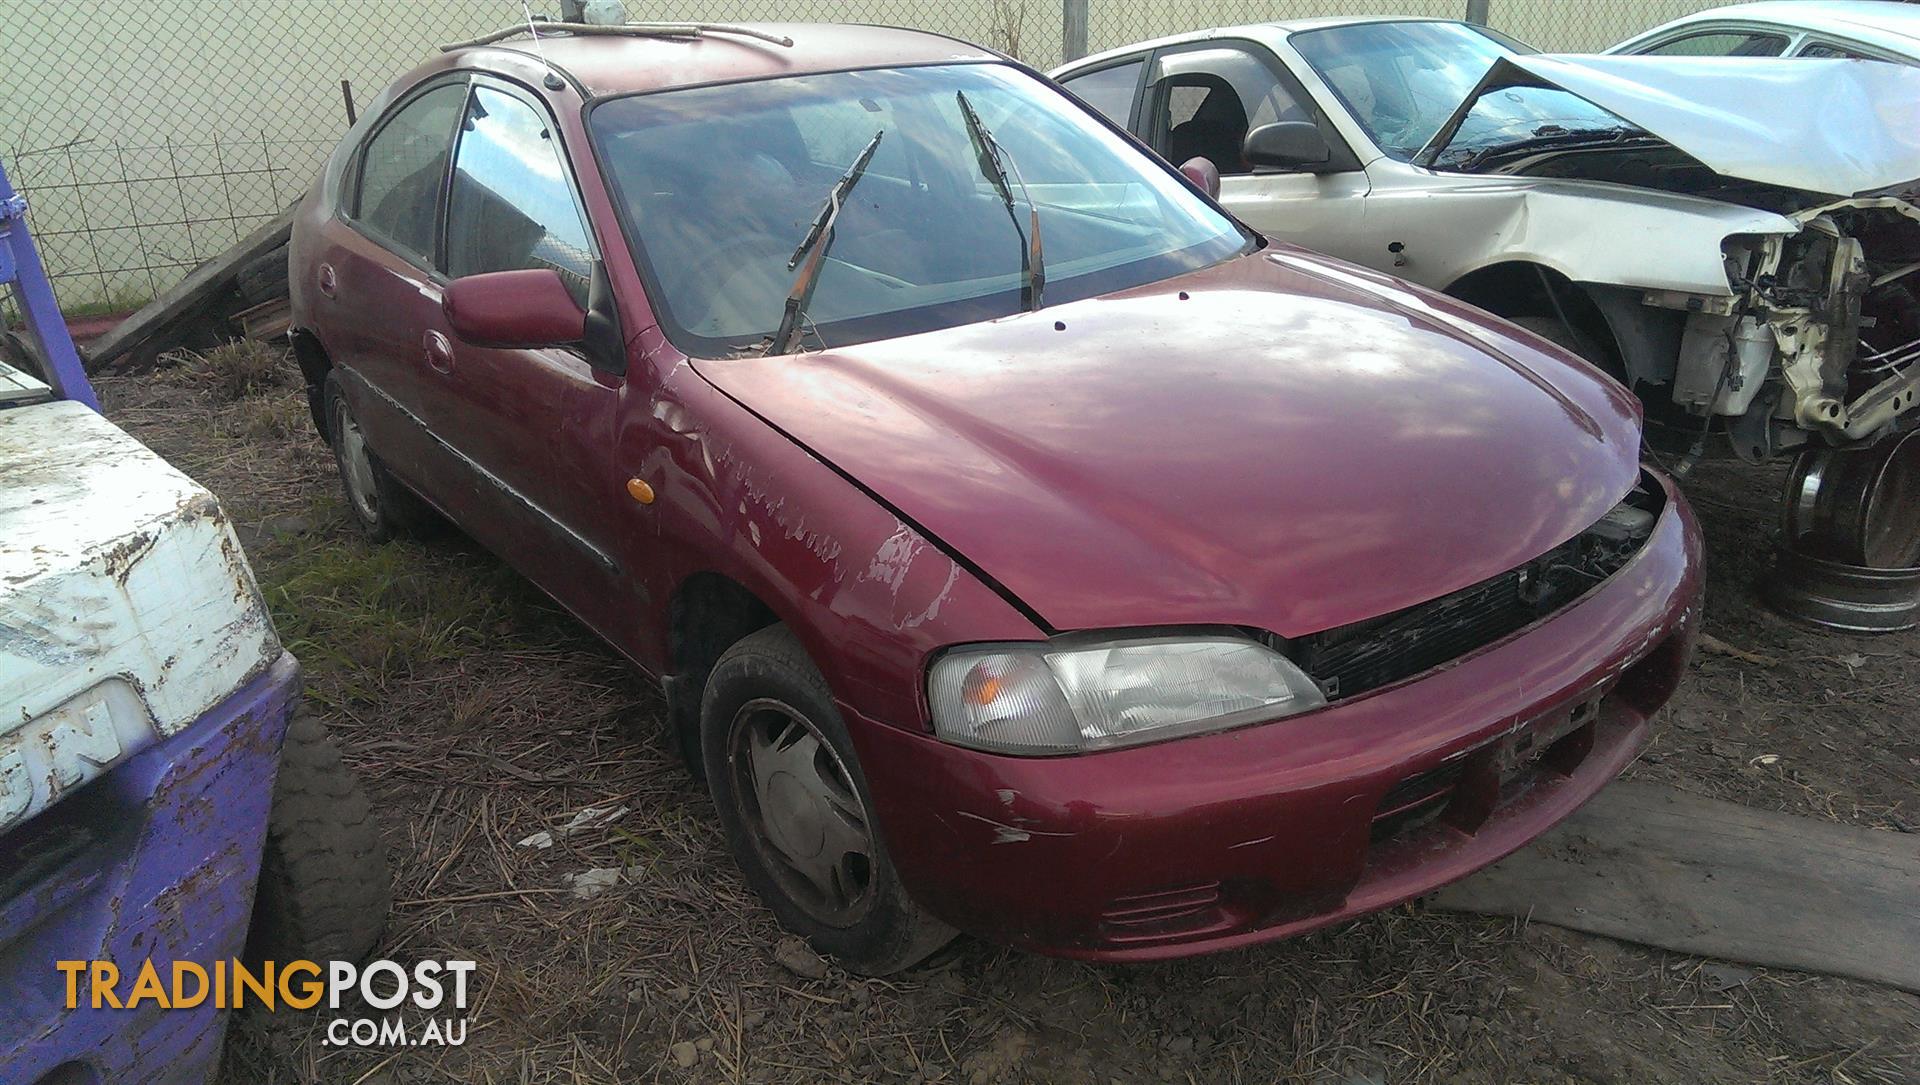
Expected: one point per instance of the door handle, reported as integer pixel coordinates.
(329, 282)
(439, 352)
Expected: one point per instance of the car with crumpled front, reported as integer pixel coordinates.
(1023, 545)
(1736, 239)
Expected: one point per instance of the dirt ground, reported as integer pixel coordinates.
(479, 713)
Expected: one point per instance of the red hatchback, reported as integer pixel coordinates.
(1025, 547)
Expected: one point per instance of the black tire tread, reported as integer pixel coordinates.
(324, 887)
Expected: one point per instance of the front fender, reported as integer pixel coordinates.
(1588, 231)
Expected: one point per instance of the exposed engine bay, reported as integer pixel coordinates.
(1813, 339)
(1821, 337)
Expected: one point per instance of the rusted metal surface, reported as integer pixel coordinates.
(137, 662)
(126, 607)
(157, 864)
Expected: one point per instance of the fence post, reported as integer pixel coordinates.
(1073, 29)
(1477, 11)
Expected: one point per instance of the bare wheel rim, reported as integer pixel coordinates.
(355, 465)
(1891, 517)
(802, 812)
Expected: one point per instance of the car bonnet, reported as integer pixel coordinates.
(1837, 127)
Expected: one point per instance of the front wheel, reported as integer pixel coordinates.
(796, 810)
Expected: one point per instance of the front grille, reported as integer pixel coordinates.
(1353, 659)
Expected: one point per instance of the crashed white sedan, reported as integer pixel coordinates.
(1733, 238)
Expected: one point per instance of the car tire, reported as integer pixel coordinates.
(264, 278)
(324, 889)
(784, 778)
(381, 504)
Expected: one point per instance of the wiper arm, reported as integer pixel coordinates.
(994, 164)
(819, 238)
(1475, 159)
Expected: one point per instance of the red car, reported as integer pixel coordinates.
(1025, 547)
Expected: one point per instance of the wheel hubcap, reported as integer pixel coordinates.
(801, 808)
(355, 465)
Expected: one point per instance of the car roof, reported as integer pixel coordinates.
(1268, 31)
(1881, 22)
(628, 63)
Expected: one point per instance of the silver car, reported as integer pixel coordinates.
(1734, 239)
(1848, 29)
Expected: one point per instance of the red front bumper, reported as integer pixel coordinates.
(1223, 840)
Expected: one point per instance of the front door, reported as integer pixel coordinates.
(1203, 99)
(535, 427)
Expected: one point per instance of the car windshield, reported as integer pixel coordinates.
(1402, 80)
(719, 184)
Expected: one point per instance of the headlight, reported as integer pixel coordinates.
(1068, 697)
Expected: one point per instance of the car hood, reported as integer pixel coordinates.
(1835, 127)
(1282, 441)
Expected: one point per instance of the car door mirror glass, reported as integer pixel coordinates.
(1288, 145)
(526, 308)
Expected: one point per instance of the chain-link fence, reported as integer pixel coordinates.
(152, 134)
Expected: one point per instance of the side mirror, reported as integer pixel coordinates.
(1289, 145)
(527, 308)
(1203, 173)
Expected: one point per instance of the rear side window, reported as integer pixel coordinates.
(1831, 51)
(1109, 90)
(511, 206)
(1722, 43)
(402, 168)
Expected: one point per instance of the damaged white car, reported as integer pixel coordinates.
(1733, 238)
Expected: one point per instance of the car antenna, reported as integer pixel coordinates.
(553, 80)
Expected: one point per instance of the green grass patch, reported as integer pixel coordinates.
(372, 613)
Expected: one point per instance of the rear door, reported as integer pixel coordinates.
(378, 290)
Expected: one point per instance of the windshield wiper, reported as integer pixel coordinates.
(1563, 139)
(819, 238)
(994, 164)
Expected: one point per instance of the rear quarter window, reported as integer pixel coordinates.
(403, 166)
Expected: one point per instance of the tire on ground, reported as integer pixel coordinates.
(397, 511)
(324, 889)
(893, 933)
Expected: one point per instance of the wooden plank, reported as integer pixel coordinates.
(1646, 863)
(267, 320)
(188, 297)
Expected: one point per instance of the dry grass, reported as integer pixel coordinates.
(479, 714)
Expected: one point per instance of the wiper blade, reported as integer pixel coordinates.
(994, 164)
(1474, 159)
(819, 238)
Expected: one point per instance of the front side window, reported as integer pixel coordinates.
(510, 206)
(1109, 90)
(1211, 98)
(1721, 43)
(718, 185)
(1400, 81)
(403, 166)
